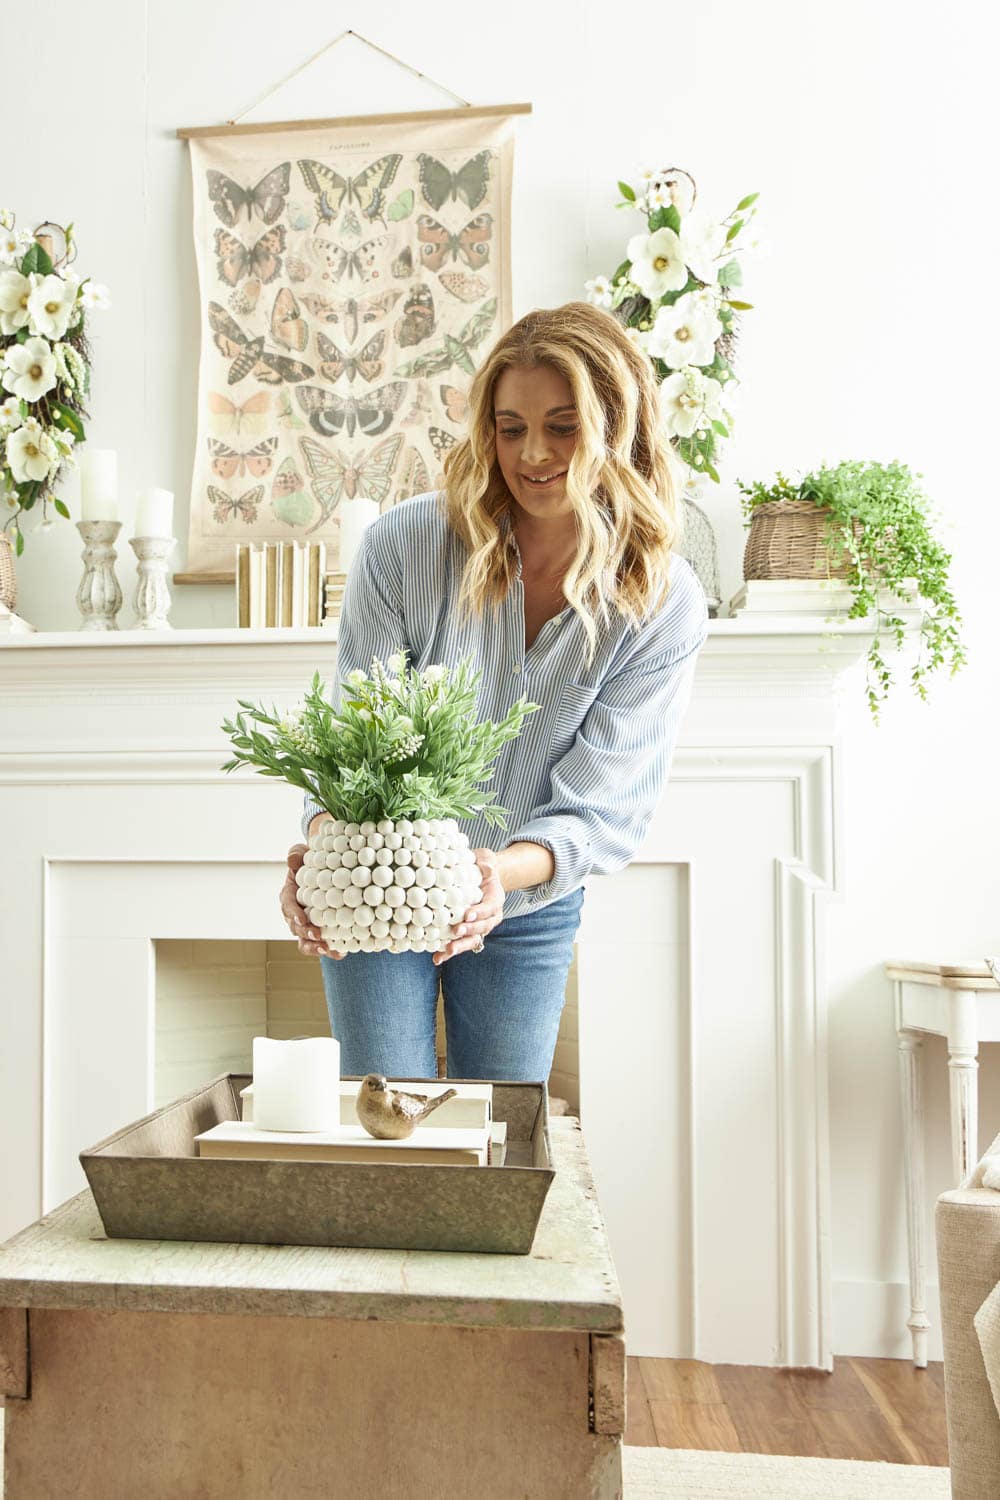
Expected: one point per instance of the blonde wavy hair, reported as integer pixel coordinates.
(620, 478)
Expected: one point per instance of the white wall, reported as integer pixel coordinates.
(866, 129)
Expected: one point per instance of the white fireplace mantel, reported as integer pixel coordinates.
(118, 827)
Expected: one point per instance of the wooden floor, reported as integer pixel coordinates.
(878, 1409)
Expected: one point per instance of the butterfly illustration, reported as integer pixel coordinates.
(441, 441)
(421, 407)
(463, 285)
(401, 207)
(290, 500)
(367, 189)
(288, 326)
(297, 268)
(226, 507)
(402, 266)
(471, 243)
(248, 355)
(362, 262)
(456, 403)
(417, 321)
(299, 217)
(469, 183)
(373, 412)
(334, 475)
(244, 298)
(256, 461)
(352, 312)
(335, 363)
(263, 260)
(231, 420)
(267, 199)
(454, 350)
(413, 478)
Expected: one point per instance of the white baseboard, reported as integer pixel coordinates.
(869, 1318)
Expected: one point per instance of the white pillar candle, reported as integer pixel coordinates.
(296, 1084)
(355, 515)
(98, 484)
(154, 513)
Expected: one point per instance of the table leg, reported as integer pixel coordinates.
(963, 1070)
(910, 1060)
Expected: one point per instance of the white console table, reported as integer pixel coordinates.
(959, 1001)
(120, 829)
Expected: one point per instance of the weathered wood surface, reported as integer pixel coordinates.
(13, 1352)
(568, 1280)
(128, 1404)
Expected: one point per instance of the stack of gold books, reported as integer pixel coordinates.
(336, 583)
(279, 583)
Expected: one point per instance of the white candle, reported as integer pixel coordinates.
(154, 513)
(355, 515)
(296, 1084)
(98, 484)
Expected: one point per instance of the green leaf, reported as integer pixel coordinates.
(746, 202)
(18, 543)
(720, 428)
(731, 275)
(626, 192)
(60, 507)
(36, 259)
(734, 230)
(23, 408)
(740, 306)
(66, 418)
(22, 335)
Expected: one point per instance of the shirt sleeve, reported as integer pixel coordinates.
(371, 624)
(605, 789)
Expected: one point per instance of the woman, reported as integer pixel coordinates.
(547, 558)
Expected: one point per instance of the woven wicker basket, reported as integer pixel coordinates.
(788, 540)
(8, 577)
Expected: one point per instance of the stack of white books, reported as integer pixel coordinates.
(440, 1145)
(818, 597)
(280, 584)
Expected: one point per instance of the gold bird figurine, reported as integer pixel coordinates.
(392, 1114)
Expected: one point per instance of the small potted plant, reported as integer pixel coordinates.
(868, 524)
(396, 765)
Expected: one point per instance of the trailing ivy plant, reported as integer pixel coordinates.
(880, 522)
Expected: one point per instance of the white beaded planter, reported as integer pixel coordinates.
(399, 887)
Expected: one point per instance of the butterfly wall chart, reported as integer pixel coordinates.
(471, 243)
(334, 363)
(454, 350)
(465, 285)
(249, 355)
(367, 189)
(438, 183)
(226, 507)
(234, 260)
(417, 321)
(243, 299)
(455, 403)
(228, 462)
(329, 414)
(441, 441)
(353, 313)
(266, 199)
(229, 419)
(288, 326)
(334, 475)
(291, 502)
(413, 477)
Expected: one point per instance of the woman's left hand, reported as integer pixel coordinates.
(487, 913)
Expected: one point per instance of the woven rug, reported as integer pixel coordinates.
(685, 1474)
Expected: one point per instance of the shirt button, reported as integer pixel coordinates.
(516, 667)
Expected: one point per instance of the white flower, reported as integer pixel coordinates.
(648, 176)
(51, 305)
(30, 370)
(357, 678)
(94, 294)
(432, 674)
(657, 263)
(690, 400)
(397, 662)
(658, 197)
(598, 291)
(702, 242)
(10, 246)
(365, 715)
(30, 451)
(641, 337)
(15, 291)
(6, 218)
(685, 334)
(10, 413)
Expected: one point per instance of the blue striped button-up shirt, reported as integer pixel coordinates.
(584, 776)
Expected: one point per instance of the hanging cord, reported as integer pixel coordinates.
(375, 48)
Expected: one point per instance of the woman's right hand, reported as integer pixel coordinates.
(307, 936)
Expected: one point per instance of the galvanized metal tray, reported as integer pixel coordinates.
(149, 1183)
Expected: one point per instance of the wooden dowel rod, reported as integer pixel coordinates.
(270, 127)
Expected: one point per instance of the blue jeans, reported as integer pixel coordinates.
(501, 1006)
